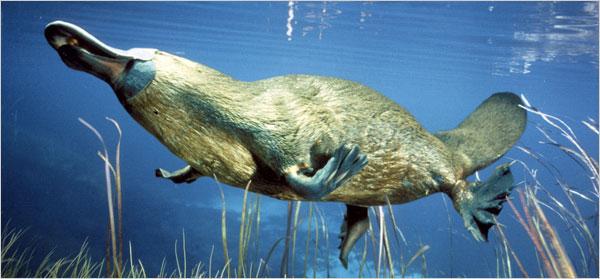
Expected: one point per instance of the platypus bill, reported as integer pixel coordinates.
(303, 137)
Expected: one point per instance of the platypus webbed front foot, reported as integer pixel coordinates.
(345, 162)
(186, 174)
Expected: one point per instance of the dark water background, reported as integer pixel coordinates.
(438, 60)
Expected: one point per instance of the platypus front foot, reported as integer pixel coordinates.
(186, 174)
(345, 162)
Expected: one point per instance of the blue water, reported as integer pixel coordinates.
(438, 60)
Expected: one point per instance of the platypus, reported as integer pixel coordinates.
(304, 137)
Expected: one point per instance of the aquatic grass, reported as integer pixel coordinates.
(116, 234)
(308, 237)
(294, 233)
(119, 196)
(224, 228)
(317, 232)
(567, 133)
(509, 249)
(450, 236)
(371, 236)
(534, 238)
(286, 246)
(397, 232)
(548, 246)
(325, 233)
(250, 218)
(257, 230)
(16, 262)
(381, 223)
(562, 262)
(81, 265)
(250, 215)
(419, 253)
(384, 253)
(181, 271)
(424, 260)
(134, 270)
(571, 215)
(316, 249)
(503, 262)
(386, 243)
(256, 218)
(269, 254)
(313, 228)
(554, 259)
(363, 259)
(242, 236)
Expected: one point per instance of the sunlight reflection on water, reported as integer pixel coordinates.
(559, 37)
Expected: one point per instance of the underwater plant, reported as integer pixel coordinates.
(534, 197)
(16, 261)
(114, 247)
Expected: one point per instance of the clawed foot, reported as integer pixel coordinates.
(346, 161)
(186, 174)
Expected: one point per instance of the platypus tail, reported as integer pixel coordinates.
(482, 138)
(487, 133)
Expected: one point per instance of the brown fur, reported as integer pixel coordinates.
(242, 131)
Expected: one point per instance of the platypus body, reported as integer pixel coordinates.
(303, 137)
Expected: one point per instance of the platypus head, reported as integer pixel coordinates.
(127, 71)
(168, 95)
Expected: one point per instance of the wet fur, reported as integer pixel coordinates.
(253, 131)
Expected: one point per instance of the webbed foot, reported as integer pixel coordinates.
(345, 162)
(186, 174)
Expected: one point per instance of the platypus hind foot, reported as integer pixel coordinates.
(345, 162)
(186, 174)
(484, 202)
(356, 223)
